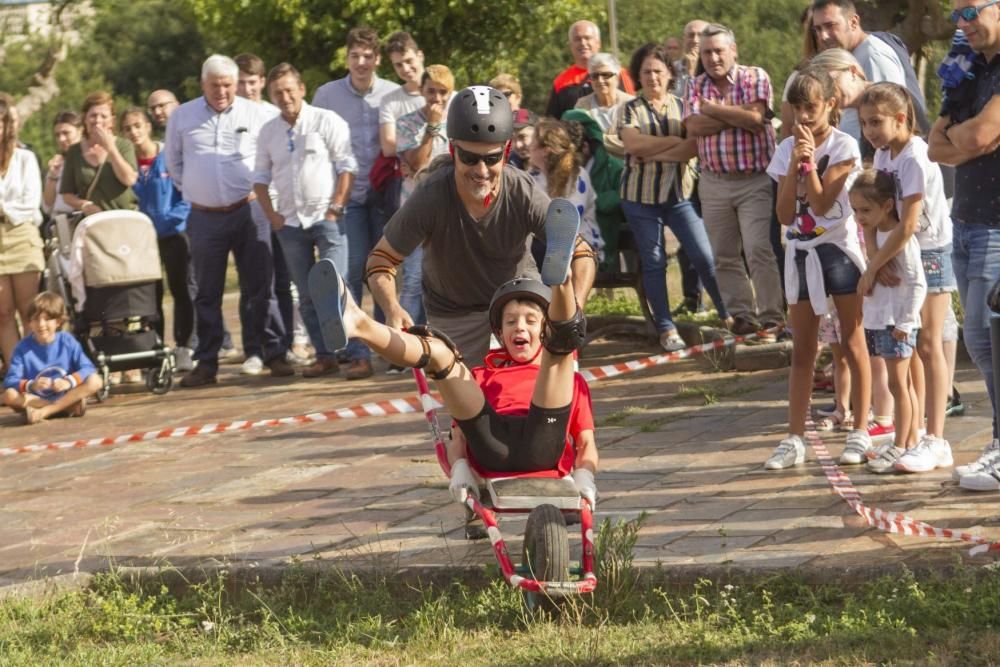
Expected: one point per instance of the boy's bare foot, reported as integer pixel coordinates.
(32, 415)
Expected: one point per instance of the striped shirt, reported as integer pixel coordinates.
(650, 182)
(734, 150)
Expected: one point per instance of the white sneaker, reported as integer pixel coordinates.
(857, 447)
(990, 455)
(877, 450)
(295, 360)
(885, 462)
(182, 359)
(790, 452)
(930, 453)
(987, 479)
(252, 366)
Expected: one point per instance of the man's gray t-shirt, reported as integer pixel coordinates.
(466, 260)
(880, 63)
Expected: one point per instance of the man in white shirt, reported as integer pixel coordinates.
(305, 154)
(210, 146)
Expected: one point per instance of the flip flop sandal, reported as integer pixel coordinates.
(329, 297)
(562, 223)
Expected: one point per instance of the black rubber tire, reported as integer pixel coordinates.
(546, 544)
(159, 381)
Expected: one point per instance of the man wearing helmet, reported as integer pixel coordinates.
(526, 410)
(473, 218)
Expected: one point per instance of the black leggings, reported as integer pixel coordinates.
(517, 443)
(175, 253)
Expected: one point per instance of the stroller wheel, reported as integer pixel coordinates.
(160, 380)
(102, 395)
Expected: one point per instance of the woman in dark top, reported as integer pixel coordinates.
(100, 170)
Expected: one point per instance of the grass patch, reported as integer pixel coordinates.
(618, 304)
(619, 417)
(317, 616)
(707, 395)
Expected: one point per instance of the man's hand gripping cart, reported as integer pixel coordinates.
(545, 570)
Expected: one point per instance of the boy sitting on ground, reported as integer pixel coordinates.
(49, 372)
(527, 410)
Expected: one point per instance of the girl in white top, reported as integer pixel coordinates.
(891, 309)
(887, 120)
(21, 260)
(813, 168)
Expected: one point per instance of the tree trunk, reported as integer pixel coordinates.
(44, 87)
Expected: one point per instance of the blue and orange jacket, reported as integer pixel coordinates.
(160, 199)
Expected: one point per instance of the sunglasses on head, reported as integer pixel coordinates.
(970, 14)
(471, 159)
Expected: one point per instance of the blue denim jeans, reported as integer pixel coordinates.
(300, 246)
(411, 296)
(363, 223)
(647, 221)
(976, 257)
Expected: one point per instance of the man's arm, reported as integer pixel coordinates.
(700, 125)
(173, 149)
(747, 116)
(380, 276)
(978, 135)
(941, 149)
(387, 138)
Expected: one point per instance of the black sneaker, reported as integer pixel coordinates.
(199, 377)
(955, 406)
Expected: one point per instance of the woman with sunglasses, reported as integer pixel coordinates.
(605, 103)
(655, 187)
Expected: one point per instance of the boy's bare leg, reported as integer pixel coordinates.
(554, 386)
(461, 393)
(36, 413)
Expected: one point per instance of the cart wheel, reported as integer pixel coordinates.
(159, 380)
(546, 551)
(102, 395)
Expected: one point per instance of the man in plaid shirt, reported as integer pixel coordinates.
(728, 109)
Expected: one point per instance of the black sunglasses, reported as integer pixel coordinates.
(602, 75)
(471, 159)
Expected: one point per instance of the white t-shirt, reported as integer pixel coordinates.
(880, 63)
(838, 147)
(914, 173)
(898, 306)
(398, 103)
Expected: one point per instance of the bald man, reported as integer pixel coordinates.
(160, 104)
(574, 81)
(686, 66)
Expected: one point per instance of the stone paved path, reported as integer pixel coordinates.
(681, 442)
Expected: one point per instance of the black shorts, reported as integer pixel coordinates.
(517, 443)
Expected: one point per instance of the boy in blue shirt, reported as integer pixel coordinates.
(49, 372)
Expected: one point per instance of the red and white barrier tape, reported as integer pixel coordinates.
(890, 522)
(395, 406)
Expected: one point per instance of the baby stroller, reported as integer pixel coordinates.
(110, 278)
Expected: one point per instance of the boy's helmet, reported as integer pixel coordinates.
(518, 288)
(481, 114)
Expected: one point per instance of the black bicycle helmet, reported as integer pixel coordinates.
(481, 114)
(518, 288)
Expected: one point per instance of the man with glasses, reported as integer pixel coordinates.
(967, 135)
(473, 219)
(305, 152)
(160, 104)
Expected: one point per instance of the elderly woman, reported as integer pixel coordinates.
(99, 172)
(605, 103)
(67, 129)
(655, 187)
(21, 260)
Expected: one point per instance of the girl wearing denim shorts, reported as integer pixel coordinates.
(888, 121)
(891, 310)
(814, 168)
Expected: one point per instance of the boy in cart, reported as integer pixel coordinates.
(49, 373)
(527, 410)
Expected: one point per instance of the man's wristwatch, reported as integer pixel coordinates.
(336, 209)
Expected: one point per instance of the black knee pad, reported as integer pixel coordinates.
(425, 331)
(567, 336)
